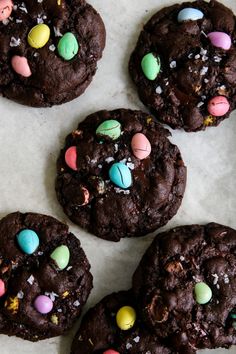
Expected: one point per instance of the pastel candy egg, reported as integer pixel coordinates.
(28, 241)
(43, 304)
(71, 157)
(218, 106)
(203, 293)
(220, 40)
(39, 35)
(141, 146)
(68, 46)
(151, 66)
(126, 317)
(110, 351)
(61, 256)
(190, 14)
(2, 288)
(120, 175)
(21, 66)
(110, 128)
(6, 7)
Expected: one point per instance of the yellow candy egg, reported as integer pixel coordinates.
(126, 317)
(39, 35)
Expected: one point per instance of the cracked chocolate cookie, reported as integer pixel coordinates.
(119, 176)
(185, 286)
(184, 64)
(44, 276)
(100, 331)
(48, 50)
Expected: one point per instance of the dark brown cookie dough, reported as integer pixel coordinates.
(193, 70)
(53, 80)
(99, 331)
(26, 277)
(93, 201)
(164, 284)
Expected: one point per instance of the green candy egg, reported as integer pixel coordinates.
(61, 256)
(109, 128)
(203, 293)
(68, 46)
(151, 66)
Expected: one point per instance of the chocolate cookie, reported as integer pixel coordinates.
(48, 50)
(99, 332)
(185, 285)
(119, 175)
(44, 276)
(184, 64)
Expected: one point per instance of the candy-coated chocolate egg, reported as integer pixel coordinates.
(71, 157)
(68, 46)
(141, 146)
(109, 128)
(61, 256)
(190, 14)
(220, 40)
(203, 293)
(2, 288)
(126, 317)
(39, 35)
(218, 106)
(151, 66)
(111, 351)
(6, 7)
(28, 241)
(21, 66)
(120, 175)
(43, 304)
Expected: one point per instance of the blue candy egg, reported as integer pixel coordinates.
(28, 241)
(190, 14)
(120, 175)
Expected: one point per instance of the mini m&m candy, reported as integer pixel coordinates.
(68, 46)
(220, 40)
(120, 175)
(189, 14)
(109, 128)
(6, 7)
(203, 293)
(61, 256)
(218, 106)
(71, 157)
(141, 146)
(28, 241)
(43, 304)
(2, 288)
(21, 66)
(126, 317)
(151, 66)
(111, 351)
(39, 35)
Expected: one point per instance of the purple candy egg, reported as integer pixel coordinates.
(220, 40)
(43, 304)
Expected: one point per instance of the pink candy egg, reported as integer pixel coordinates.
(220, 40)
(6, 7)
(71, 158)
(43, 304)
(141, 146)
(110, 351)
(218, 106)
(21, 66)
(2, 288)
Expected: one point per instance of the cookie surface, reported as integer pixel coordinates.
(122, 177)
(45, 290)
(190, 317)
(197, 60)
(99, 331)
(39, 72)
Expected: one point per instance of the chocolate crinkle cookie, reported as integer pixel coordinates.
(113, 326)
(48, 50)
(185, 287)
(119, 176)
(184, 64)
(44, 276)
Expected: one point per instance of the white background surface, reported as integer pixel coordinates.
(31, 140)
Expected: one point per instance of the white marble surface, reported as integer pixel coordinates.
(31, 140)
